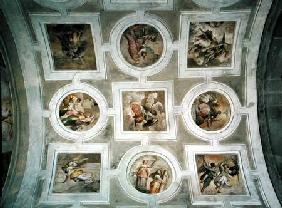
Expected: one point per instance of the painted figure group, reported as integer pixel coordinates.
(72, 46)
(150, 183)
(73, 171)
(76, 113)
(211, 111)
(71, 37)
(218, 173)
(146, 113)
(144, 44)
(207, 110)
(208, 48)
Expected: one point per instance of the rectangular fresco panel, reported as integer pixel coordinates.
(72, 46)
(220, 174)
(77, 173)
(144, 111)
(210, 44)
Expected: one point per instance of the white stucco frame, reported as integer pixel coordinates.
(61, 5)
(47, 197)
(78, 136)
(251, 198)
(40, 20)
(140, 4)
(241, 19)
(235, 106)
(215, 3)
(134, 153)
(120, 134)
(140, 17)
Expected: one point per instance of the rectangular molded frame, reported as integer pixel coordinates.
(47, 197)
(140, 4)
(241, 19)
(119, 87)
(251, 198)
(40, 20)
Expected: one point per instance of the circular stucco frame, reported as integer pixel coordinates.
(140, 18)
(235, 106)
(134, 153)
(74, 135)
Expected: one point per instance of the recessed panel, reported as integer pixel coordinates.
(144, 110)
(72, 46)
(211, 111)
(210, 44)
(141, 45)
(79, 112)
(77, 173)
(220, 174)
(150, 174)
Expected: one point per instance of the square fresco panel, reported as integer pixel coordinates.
(210, 44)
(77, 173)
(144, 111)
(72, 46)
(220, 174)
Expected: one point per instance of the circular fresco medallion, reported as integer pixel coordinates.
(79, 112)
(211, 111)
(150, 174)
(141, 45)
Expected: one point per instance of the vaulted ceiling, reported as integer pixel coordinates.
(130, 104)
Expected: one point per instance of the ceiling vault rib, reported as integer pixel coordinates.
(16, 21)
